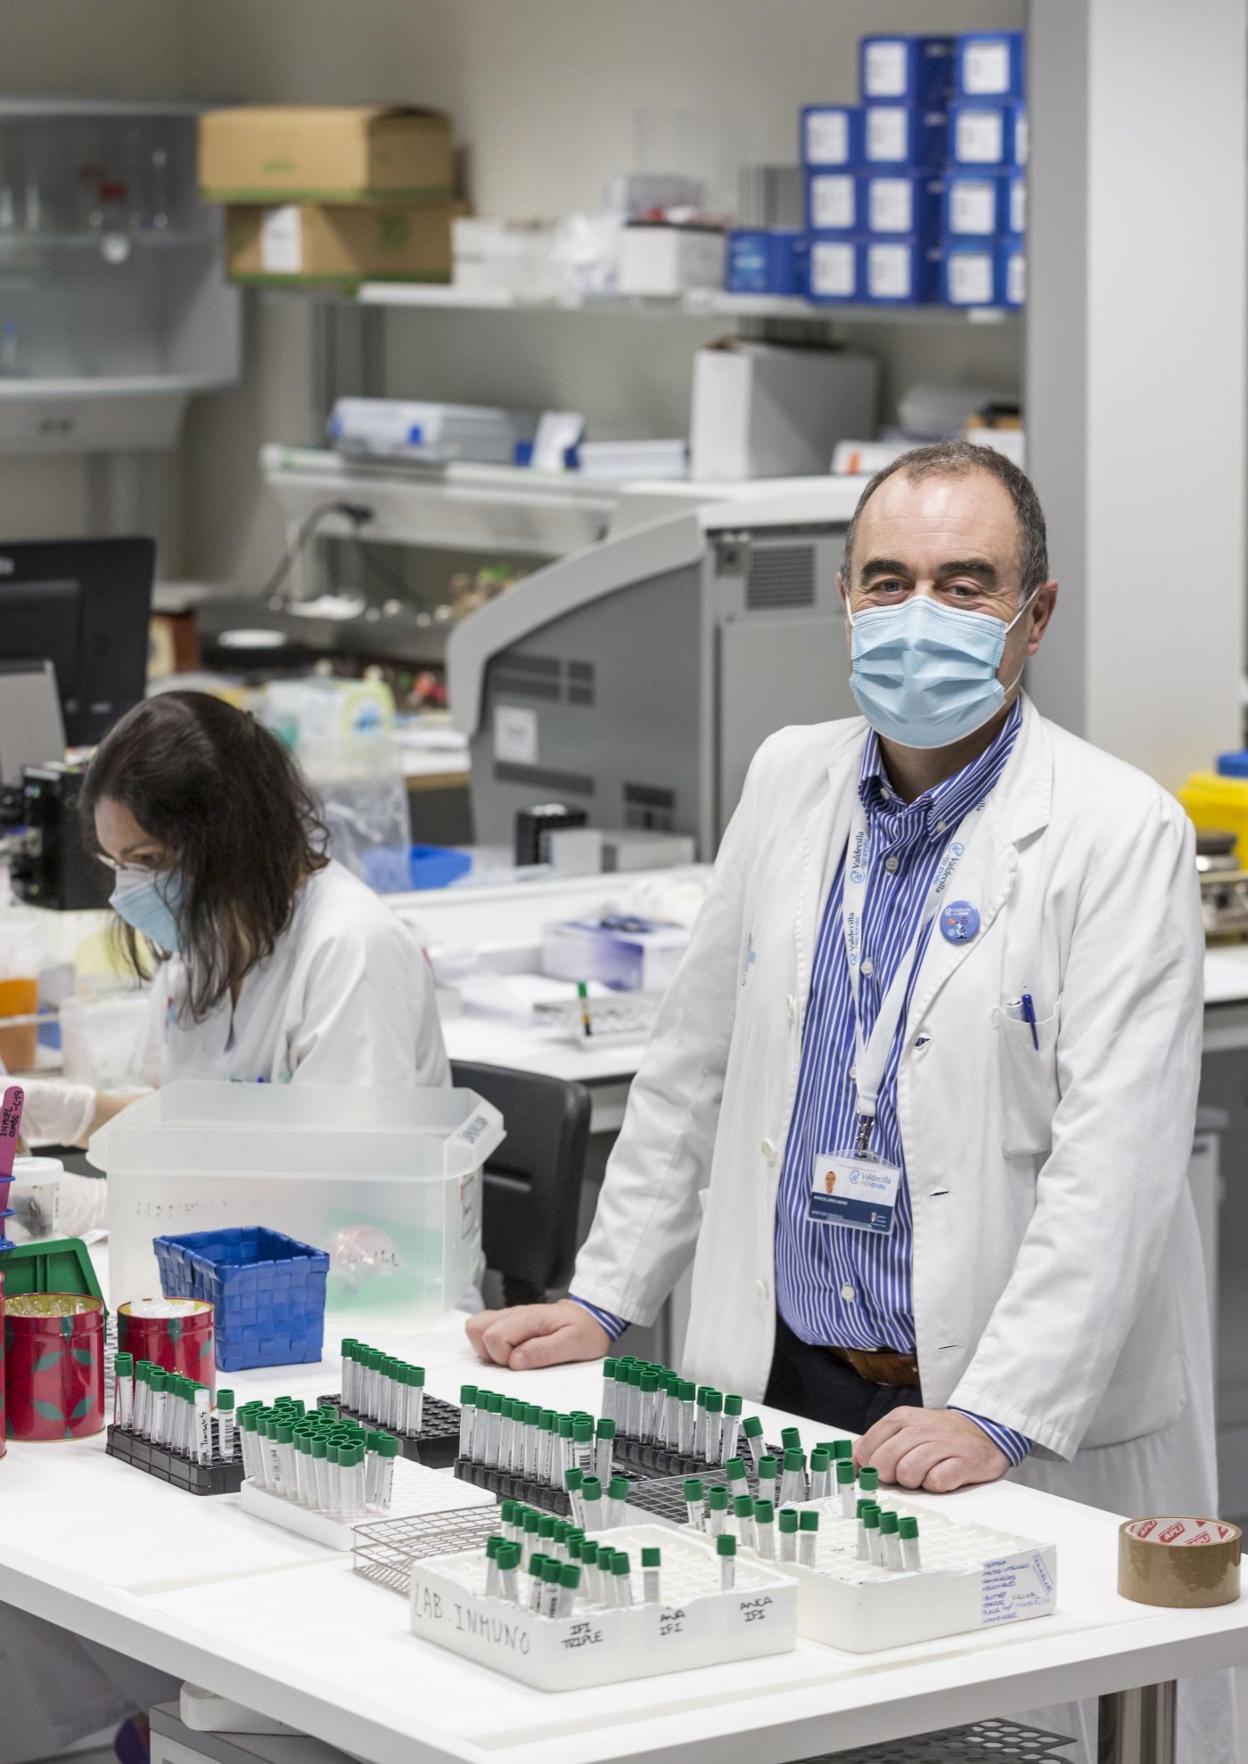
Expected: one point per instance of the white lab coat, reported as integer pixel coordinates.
(1057, 1275)
(346, 998)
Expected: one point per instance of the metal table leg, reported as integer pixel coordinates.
(1138, 1726)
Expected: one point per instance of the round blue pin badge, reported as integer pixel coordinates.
(959, 922)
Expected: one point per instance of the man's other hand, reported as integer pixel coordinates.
(527, 1336)
(936, 1449)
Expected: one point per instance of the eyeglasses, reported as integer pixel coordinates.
(144, 870)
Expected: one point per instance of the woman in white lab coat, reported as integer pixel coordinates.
(270, 964)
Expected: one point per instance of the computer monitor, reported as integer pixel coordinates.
(84, 605)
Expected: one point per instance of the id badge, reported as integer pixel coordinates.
(855, 1190)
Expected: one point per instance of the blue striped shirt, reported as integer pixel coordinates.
(847, 1288)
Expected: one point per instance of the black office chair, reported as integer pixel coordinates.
(533, 1182)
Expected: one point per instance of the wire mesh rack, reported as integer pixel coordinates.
(385, 1550)
(983, 1742)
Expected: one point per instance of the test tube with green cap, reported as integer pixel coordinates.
(561, 1540)
(621, 1579)
(545, 1446)
(738, 1481)
(493, 1545)
(583, 1445)
(648, 1425)
(573, 1482)
(537, 1586)
(752, 1427)
(505, 1413)
(593, 1506)
(890, 1540)
(569, 1582)
(686, 1427)
(868, 1480)
(305, 1466)
(791, 1438)
(846, 1488)
(769, 1479)
(651, 1564)
(617, 1495)
(467, 1410)
(321, 1473)
(793, 1476)
(158, 1381)
(765, 1530)
(607, 1402)
(808, 1528)
(604, 1449)
(606, 1586)
(843, 1448)
(869, 1520)
(743, 1520)
(636, 1372)
(389, 1449)
(203, 1424)
(714, 1427)
(564, 1458)
(694, 1492)
(820, 1473)
(225, 1425)
(552, 1570)
(731, 1439)
(494, 1432)
(726, 1550)
(532, 1519)
(123, 1391)
(786, 1519)
(911, 1557)
(372, 1474)
(717, 1509)
(546, 1531)
(589, 1567)
(415, 1399)
(142, 1400)
(532, 1441)
(348, 1350)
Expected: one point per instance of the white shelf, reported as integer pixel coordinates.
(698, 303)
(16, 389)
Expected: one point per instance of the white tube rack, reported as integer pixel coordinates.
(417, 1491)
(694, 1624)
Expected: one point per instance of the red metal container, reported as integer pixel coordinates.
(54, 1365)
(181, 1342)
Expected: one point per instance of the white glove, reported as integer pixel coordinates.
(57, 1113)
(83, 1205)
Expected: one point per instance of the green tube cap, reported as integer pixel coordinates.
(734, 1469)
(844, 1473)
(808, 1520)
(794, 1458)
(764, 1512)
(909, 1527)
(788, 1519)
(791, 1437)
(718, 1499)
(868, 1479)
(753, 1427)
(767, 1469)
(651, 1558)
(743, 1506)
(693, 1488)
(725, 1544)
(618, 1488)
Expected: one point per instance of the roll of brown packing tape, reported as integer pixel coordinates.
(1175, 1561)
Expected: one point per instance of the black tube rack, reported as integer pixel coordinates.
(175, 1468)
(436, 1445)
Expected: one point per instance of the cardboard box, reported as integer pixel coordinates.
(341, 245)
(312, 154)
(657, 258)
(916, 69)
(763, 410)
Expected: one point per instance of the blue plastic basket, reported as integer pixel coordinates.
(267, 1292)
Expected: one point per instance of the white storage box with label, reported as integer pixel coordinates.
(693, 1623)
(387, 1182)
(903, 203)
(977, 204)
(970, 1578)
(836, 202)
(388, 428)
(902, 272)
(972, 273)
(629, 955)
(990, 64)
(903, 135)
(916, 69)
(763, 410)
(833, 135)
(837, 272)
(983, 133)
(657, 258)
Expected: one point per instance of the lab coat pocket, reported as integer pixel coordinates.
(1027, 1072)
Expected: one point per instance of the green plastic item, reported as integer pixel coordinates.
(60, 1266)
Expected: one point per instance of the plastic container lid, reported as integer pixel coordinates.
(888, 1523)
(582, 1432)
(570, 1576)
(871, 1518)
(1233, 765)
(725, 1544)
(591, 1487)
(788, 1519)
(693, 1488)
(743, 1506)
(808, 1519)
(909, 1527)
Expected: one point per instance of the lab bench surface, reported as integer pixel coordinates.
(204, 1591)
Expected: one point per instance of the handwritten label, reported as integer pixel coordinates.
(755, 1610)
(582, 1635)
(672, 1619)
(1014, 1587)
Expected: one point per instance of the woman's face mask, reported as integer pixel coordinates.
(150, 902)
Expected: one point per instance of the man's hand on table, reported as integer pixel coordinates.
(936, 1449)
(527, 1336)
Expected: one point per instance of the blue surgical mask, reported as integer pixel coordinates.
(925, 675)
(152, 908)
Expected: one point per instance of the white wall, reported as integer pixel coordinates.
(544, 94)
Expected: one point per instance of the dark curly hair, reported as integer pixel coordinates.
(234, 814)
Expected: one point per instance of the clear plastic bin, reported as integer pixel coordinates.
(100, 1039)
(389, 1183)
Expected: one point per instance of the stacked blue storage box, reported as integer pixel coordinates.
(985, 192)
(874, 176)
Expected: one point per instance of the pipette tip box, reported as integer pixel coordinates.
(436, 1446)
(219, 1477)
(694, 1623)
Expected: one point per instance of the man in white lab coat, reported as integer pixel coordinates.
(920, 1100)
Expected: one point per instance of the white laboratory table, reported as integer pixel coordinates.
(199, 1588)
